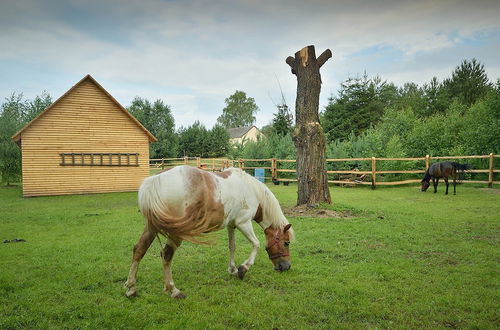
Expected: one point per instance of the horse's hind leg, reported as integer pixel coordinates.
(140, 249)
(167, 255)
(232, 248)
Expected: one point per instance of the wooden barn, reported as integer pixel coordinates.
(85, 142)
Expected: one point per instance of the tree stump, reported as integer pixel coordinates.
(308, 136)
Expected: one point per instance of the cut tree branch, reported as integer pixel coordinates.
(291, 62)
(324, 57)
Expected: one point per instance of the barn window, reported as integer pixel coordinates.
(99, 159)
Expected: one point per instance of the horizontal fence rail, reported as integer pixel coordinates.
(362, 171)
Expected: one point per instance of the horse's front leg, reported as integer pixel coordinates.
(139, 251)
(167, 255)
(435, 182)
(232, 248)
(454, 185)
(247, 230)
(447, 184)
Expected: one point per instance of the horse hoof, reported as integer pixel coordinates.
(179, 295)
(131, 293)
(241, 272)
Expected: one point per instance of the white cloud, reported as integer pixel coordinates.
(194, 54)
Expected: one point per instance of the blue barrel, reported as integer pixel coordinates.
(259, 174)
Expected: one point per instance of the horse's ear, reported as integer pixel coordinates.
(287, 227)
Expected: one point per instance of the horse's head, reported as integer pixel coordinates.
(425, 185)
(277, 247)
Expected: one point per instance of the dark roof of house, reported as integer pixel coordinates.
(238, 132)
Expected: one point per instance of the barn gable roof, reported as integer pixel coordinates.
(17, 137)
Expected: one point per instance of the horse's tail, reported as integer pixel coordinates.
(159, 216)
(461, 167)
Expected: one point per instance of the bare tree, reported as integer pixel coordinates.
(308, 135)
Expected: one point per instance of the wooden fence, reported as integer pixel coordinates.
(283, 170)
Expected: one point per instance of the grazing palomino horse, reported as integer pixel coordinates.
(184, 202)
(443, 170)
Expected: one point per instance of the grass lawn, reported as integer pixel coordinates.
(404, 260)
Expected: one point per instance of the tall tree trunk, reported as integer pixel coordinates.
(308, 135)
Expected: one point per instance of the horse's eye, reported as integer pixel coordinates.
(287, 243)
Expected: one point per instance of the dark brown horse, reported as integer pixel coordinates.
(443, 170)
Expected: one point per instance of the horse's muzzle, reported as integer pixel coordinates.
(282, 266)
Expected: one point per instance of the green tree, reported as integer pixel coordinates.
(359, 105)
(283, 120)
(411, 96)
(14, 114)
(256, 150)
(436, 98)
(437, 119)
(217, 141)
(157, 118)
(193, 140)
(34, 107)
(10, 154)
(482, 129)
(240, 111)
(268, 129)
(468, 83)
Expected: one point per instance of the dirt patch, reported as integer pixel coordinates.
(311, 212)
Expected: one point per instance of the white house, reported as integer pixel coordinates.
(241, 135)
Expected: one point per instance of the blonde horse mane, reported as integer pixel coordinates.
(271, 208)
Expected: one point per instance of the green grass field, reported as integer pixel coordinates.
(404, 260)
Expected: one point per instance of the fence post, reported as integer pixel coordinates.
(273, 169)
(374, 172)
(185, 160)
(198, 162)
(490, 174)
(163, 163)
(426, 162)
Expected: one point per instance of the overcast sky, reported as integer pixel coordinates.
(194, 54)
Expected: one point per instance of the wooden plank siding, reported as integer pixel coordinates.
(85, 120)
